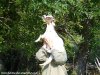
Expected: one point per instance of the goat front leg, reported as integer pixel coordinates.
(40, 37)
(47, 61)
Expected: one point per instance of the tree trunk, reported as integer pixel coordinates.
(82, 60)
(84, 49)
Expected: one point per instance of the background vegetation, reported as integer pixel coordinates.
(77, 22)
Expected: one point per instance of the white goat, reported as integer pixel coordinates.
(51, 38)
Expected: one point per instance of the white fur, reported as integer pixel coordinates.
(50, 33)
(52, 36)
(57, 42)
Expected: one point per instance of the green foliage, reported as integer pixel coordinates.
(21, 24)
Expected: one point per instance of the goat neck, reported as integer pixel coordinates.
(50, 26)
